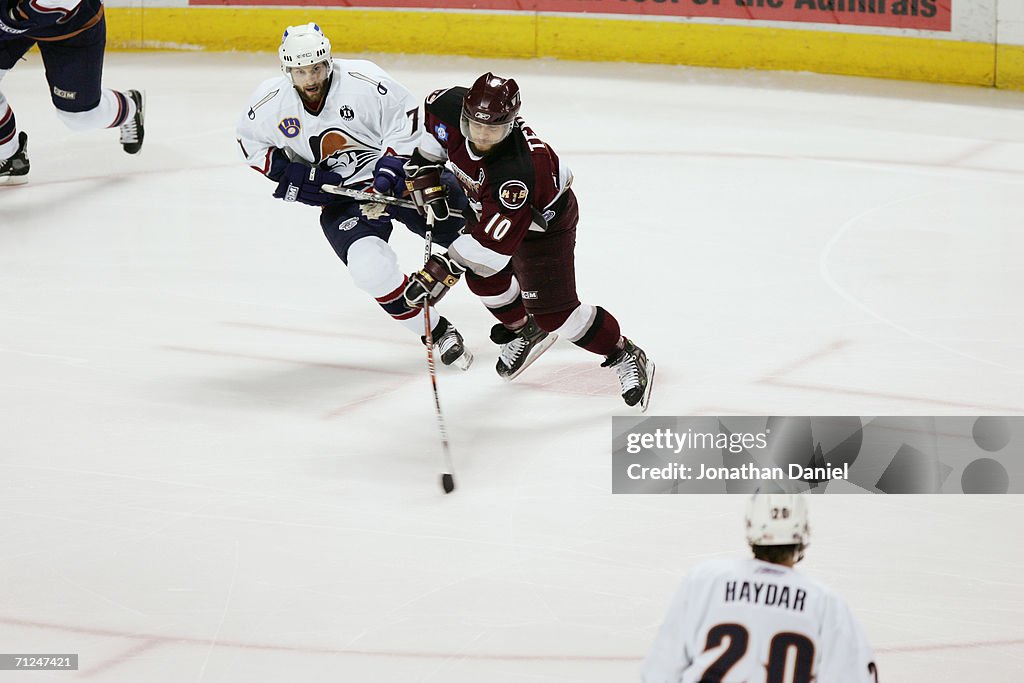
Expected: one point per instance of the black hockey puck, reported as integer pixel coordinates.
(447, 482)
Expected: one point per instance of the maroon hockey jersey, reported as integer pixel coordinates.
(517, 190)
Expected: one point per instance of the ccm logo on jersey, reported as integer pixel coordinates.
(513, 193)
(290, 127)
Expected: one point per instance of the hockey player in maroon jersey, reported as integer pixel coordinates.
(72, 36)
(517, 248)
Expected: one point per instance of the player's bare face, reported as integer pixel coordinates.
(311, 81)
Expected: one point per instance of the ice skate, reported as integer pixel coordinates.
(14, 171)
(134, 128)
(636, 374)
(519, 348)
(449, 345)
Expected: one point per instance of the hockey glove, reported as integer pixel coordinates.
(389, 176)
(301, 183)
(427, 191)
(439, 274)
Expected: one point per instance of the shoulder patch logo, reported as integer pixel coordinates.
(347, 113)
(513, 193)
(266, 98)
(290, 127)
(434, 95)
(442, 132)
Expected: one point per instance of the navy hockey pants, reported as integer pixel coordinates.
(74, 66)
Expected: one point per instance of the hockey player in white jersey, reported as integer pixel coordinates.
(346, 122)
(758, 620)
(72, 37)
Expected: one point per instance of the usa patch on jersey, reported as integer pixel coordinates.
(512, 194)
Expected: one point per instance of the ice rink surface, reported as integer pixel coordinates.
(219, 459)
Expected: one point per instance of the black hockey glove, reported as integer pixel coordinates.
(427, 191)
(301, 183)
(439, 274)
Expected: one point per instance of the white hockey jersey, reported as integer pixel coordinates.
(748, 621)
(365, 116)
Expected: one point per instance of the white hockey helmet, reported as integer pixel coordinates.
(777, 519)
(303, 45)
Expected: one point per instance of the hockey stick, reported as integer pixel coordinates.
(447, 477)
(374, 197)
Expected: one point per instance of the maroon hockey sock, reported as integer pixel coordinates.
(512, 316)
(603, 336)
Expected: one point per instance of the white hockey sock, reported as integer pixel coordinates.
(8, 133)
(415, 323)
(113, 110)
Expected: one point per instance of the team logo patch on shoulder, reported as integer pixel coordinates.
(347, 113)
(442, 132)
(512, 194)
(289, 127)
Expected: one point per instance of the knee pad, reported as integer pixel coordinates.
(373, 265)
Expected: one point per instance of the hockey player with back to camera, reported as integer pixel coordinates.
(72, 37)
(517, 247)
(347, 122)
(756, 619)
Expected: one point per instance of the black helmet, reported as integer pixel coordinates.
(492, 101)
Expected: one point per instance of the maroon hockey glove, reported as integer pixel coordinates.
(439, 274)
(427, 191)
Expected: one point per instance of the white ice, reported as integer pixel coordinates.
(219, 459)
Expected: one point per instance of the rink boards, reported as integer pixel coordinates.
(950, 42)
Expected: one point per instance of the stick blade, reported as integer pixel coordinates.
(447, 482)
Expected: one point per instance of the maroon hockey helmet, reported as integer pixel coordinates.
(489, 109)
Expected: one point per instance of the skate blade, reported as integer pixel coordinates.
(12, 180)
(535, 353)
(463, 362)
(645, 400)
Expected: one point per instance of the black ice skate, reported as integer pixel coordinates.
(14, 171)
(636, 374)
(520, 348)
(134, 128)
(449, 345)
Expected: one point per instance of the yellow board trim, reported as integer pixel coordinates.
(1010, 67)
(527, 35)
